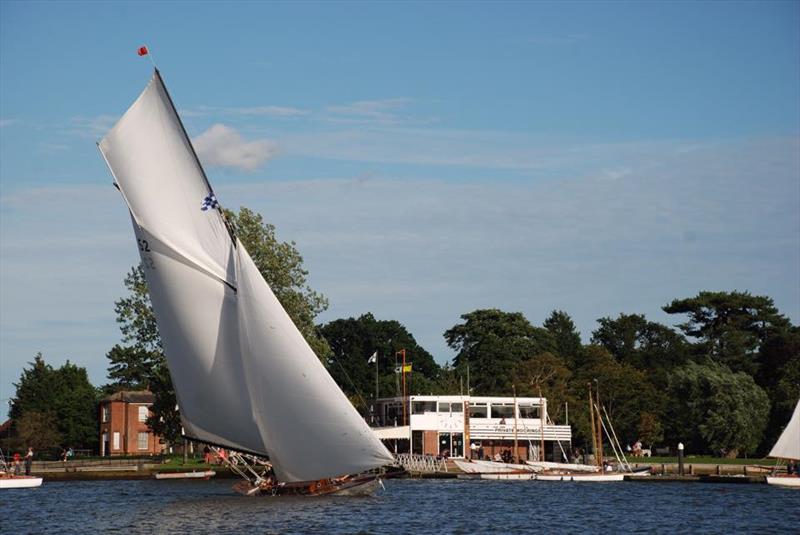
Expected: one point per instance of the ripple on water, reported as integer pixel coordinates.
(407, 506)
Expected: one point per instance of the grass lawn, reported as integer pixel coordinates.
(699, 459)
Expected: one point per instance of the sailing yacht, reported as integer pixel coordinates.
(788, 447)
(245, 378)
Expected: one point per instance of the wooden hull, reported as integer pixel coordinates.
(784, 481)
(346, 486)
(20, 482)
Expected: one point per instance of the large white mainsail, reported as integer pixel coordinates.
(244, 375)
(788, 445)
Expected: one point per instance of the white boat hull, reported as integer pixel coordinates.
(787, 481)
(20, 482)
(510, 476)
(544, 465)
(586, 478)
(491, 467)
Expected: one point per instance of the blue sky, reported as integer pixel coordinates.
(427, 158)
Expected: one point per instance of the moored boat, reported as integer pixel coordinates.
(580, 477)
(10, 481)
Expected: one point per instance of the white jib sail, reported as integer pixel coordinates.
(244, 376)
(788, 445)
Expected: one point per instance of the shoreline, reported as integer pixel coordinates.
(662, 472)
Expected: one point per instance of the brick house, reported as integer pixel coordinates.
(123, 427)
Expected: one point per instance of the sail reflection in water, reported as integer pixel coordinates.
(244, 376)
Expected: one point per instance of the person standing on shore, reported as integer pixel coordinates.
(28, 461)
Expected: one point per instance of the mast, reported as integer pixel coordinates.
(228, 225)
(541, 424)
(468, 446)
(516, 450)
(599, 426)
(403, 373)
(594, 430)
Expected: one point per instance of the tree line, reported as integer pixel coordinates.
(724, 381)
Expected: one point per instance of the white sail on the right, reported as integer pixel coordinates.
(788, 445)
(244, 376)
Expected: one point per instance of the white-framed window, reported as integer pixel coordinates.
(421, 407)
(143, 413)
(529, 411)
(105, 413)
(115, 444)
(478, 410)
(502, 410)
(142, 441)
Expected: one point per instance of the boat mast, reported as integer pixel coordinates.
(516, 450)
(194, 153)
(594, 430)
(599, 426)
(403, 373)
(541, 423)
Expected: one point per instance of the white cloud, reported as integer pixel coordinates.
(7, 122)
(223, 146)
(473, 148)
(257, 111)
(371, 111)
(273, 111)
(92, 127)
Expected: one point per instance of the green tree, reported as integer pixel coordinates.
(353, 341)
(651, 431)
(131, 367)
(643, 344)
(34, 390)
(66, 393)
(39, 430)
(281, 265)
(492, 342)
(164, 420)
(624, 391)
(136, 318)
(548, 375)
(566, 337)
(717, 410)
(730, 326)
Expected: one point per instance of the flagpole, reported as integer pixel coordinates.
(144, 50)
(376, 377)
(403, 372)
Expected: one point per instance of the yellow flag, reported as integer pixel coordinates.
(407, 368)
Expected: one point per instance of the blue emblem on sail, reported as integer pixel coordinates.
(209, 202)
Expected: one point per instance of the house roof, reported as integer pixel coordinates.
(131, 396)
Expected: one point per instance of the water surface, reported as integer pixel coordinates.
(406, 506)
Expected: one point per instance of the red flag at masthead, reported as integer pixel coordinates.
(142, 51)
